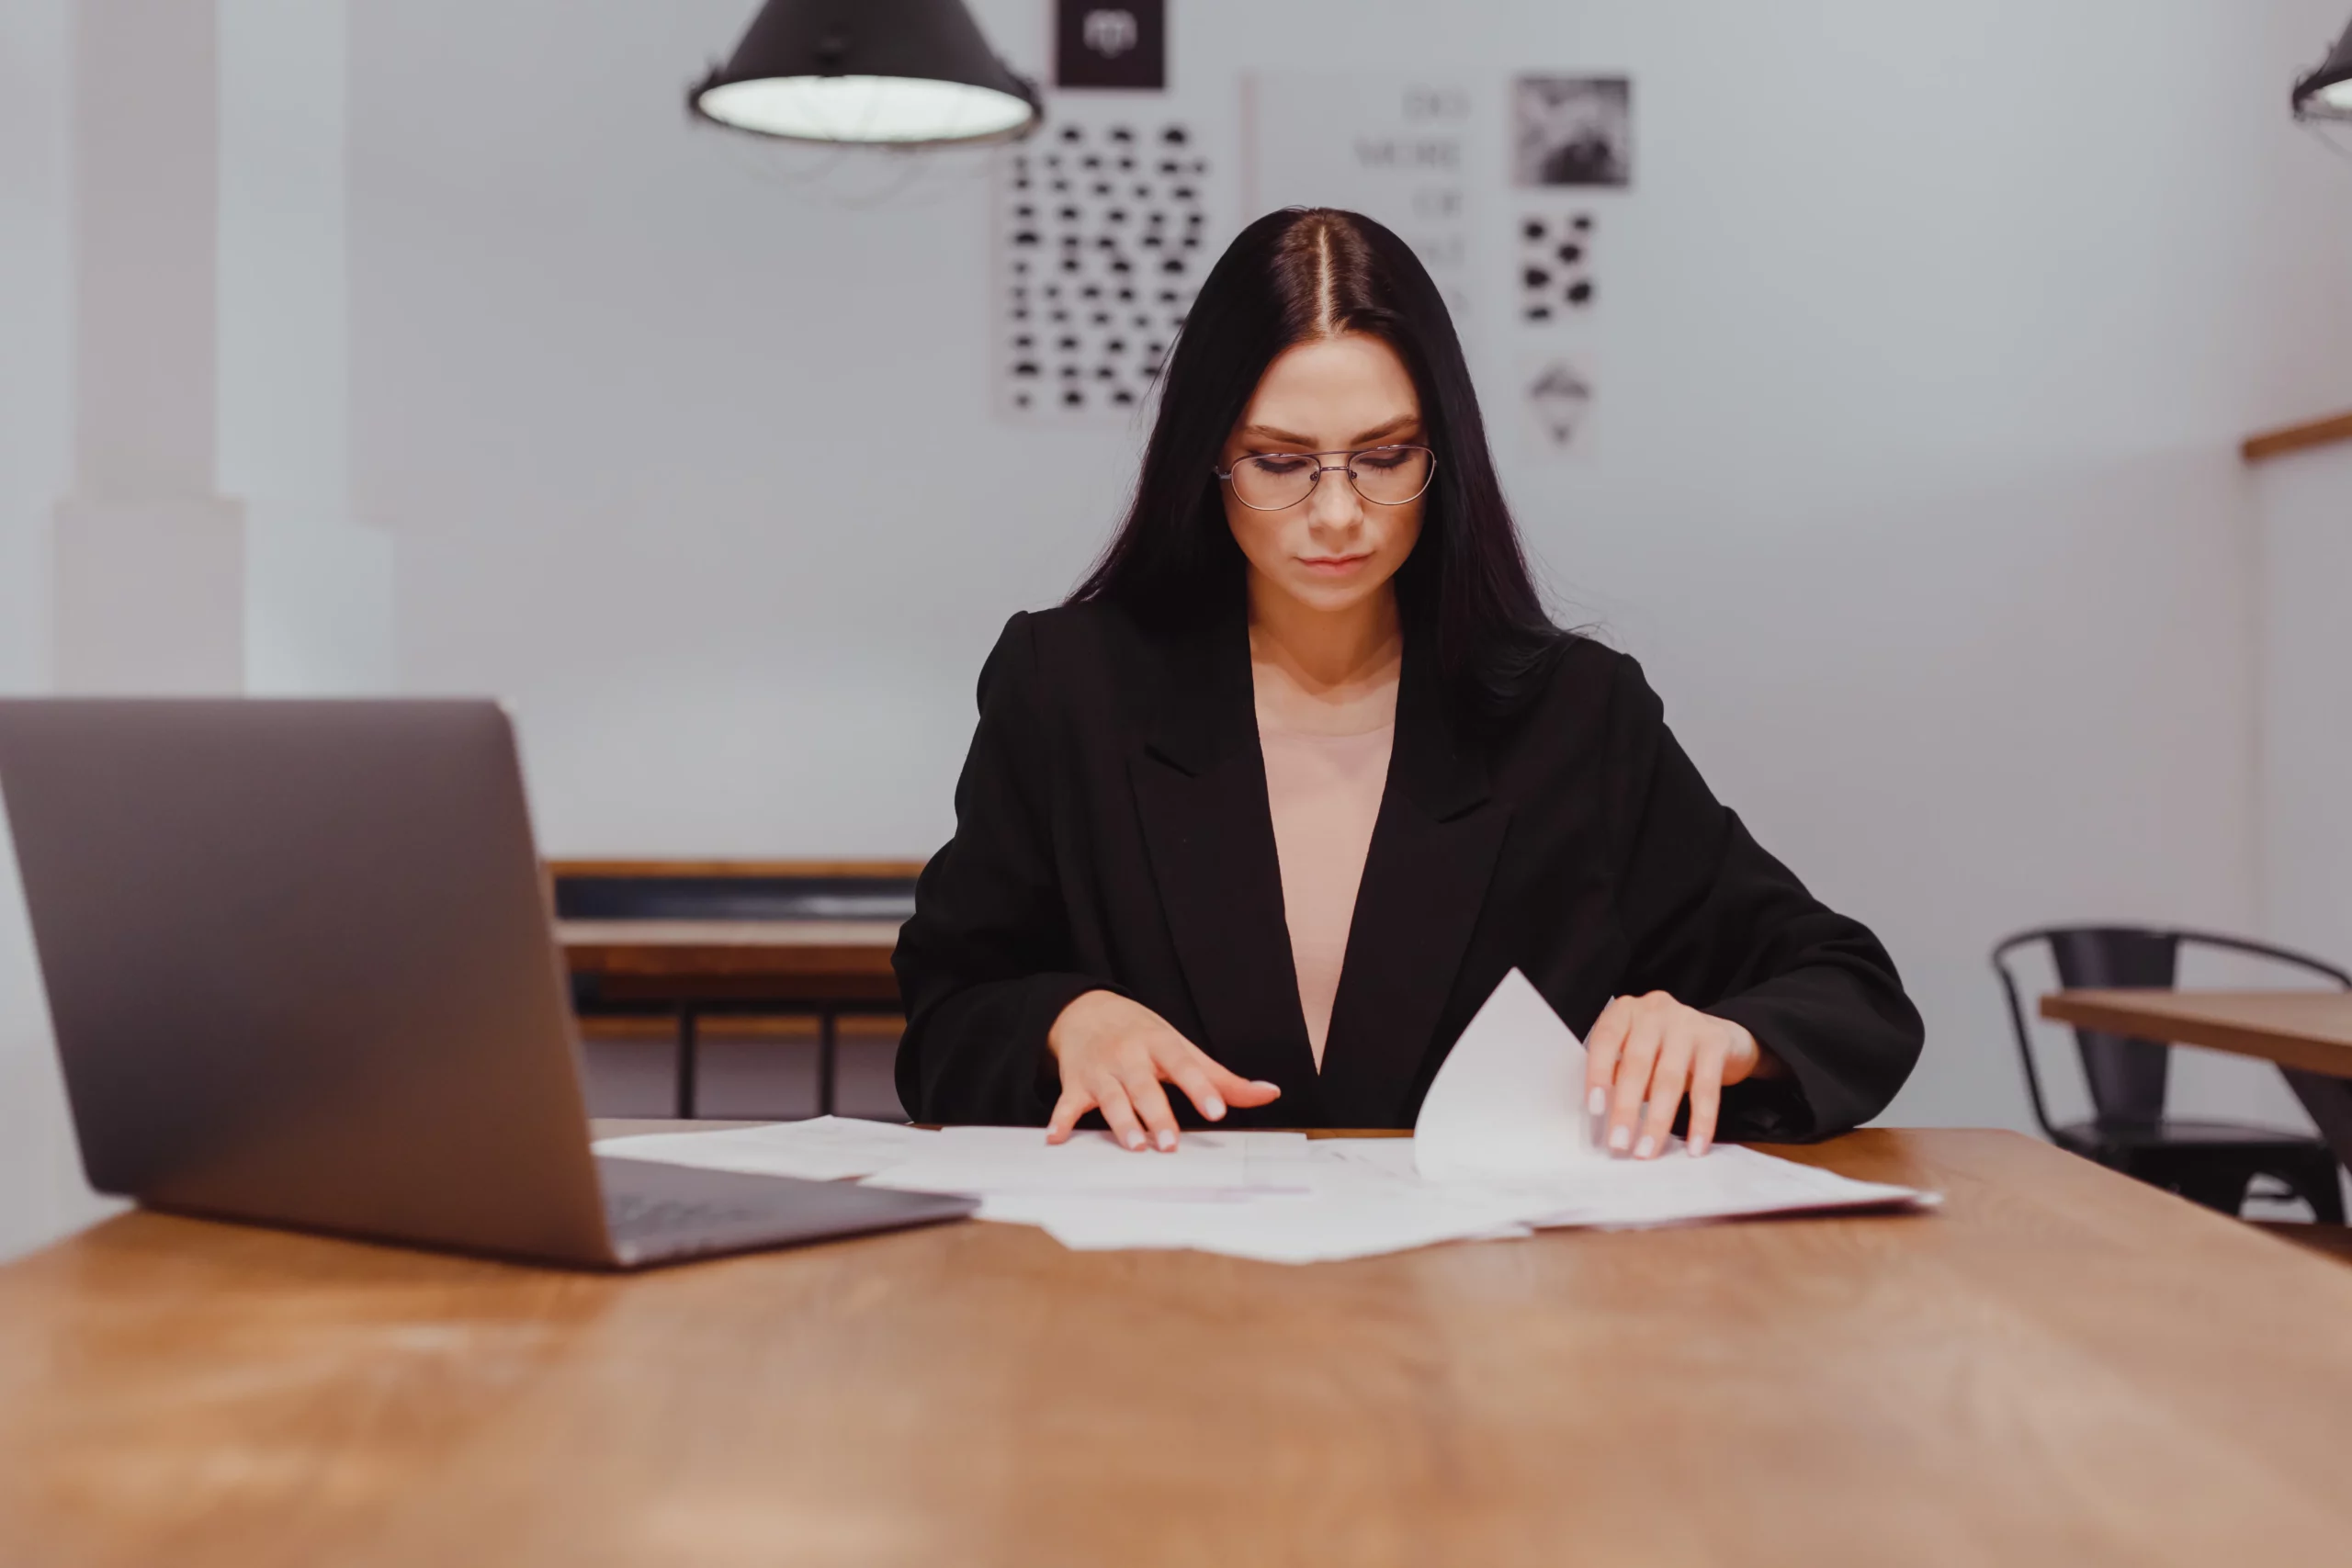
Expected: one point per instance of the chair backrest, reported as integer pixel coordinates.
(2127, 1075)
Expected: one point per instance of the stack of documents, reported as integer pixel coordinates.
(1502, 1148)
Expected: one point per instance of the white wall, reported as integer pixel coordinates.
(1928, 353)
(34, 313)
(2305, 368)
(2306, 649)
(2304, 564)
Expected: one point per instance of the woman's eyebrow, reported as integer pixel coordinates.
(1371, 436)
(1267, 433)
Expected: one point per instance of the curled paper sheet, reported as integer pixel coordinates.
(1510, 1099)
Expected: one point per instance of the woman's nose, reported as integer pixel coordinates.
(1334, 503)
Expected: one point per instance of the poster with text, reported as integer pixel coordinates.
(1412, 151)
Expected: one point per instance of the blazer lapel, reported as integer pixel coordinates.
(1200, 785)
(1433, 852)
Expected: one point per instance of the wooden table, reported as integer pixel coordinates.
(2308, 1034)
(2061, 1365)
(692, 969)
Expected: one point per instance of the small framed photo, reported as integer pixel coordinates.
(1572, 131)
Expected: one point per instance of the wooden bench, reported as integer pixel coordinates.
(764, 943)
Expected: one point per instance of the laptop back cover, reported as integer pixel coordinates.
(300, 966)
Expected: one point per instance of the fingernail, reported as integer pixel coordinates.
(1214, 1109)
(1263, 1084)
(1646, 1148)
(1597, 1102)
(1618, 1137)
(1135, 1140)
(1167, 1139)
(1694, 1150)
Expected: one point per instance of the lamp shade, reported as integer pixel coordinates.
(2326, 93)
(894, 73)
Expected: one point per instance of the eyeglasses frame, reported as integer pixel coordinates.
(1347, 467)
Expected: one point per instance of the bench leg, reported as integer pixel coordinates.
(688, 1028)
(827, 1064)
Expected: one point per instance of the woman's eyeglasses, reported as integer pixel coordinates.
(1385, 475)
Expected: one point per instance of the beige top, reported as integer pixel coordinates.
(1325, 791)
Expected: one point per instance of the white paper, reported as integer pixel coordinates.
(827, 1149)
(1506, 1114)
(1342, 1197)
(1509, 1098)
(1304, 1202)
(1287, 1230)
(979, 1161)
(1727, 1182)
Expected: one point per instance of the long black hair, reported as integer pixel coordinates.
(1300, 273)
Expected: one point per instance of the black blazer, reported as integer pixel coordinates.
(1112, 832)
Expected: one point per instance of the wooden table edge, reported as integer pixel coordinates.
(2126, 1012)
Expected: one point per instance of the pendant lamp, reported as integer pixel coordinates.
(886, 73)
(2326, 93)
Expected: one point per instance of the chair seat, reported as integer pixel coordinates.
(2212, 1163)
(2092, 1138)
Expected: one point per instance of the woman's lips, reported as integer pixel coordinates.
(1332, 566)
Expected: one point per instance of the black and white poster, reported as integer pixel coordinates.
(1110, 43)
(1556, 278)
(1572, 131)
(1106, 222)
(1555, 401)
(1570, 142)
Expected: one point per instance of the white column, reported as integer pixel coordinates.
(318, 586)
(208, 546)
(150, 593)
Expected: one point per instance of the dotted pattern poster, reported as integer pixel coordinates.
(1105, 227)
(1555, 270)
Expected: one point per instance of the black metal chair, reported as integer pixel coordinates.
(2212, 1163)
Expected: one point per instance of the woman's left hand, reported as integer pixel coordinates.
(1654, 1049)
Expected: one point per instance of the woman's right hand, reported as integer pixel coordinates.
(1115, 1054)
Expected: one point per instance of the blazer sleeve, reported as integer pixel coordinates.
(1719, 924)
(984, 965)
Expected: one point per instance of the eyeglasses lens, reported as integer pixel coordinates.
(1273, 481)
(1387, 476)
(1390, 476)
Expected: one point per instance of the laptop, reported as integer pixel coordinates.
(301, 966)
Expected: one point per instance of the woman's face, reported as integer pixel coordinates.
(1334, 549)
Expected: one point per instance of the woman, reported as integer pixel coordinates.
(1301, 771)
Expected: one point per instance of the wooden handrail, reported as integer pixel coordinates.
(2296, 438)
